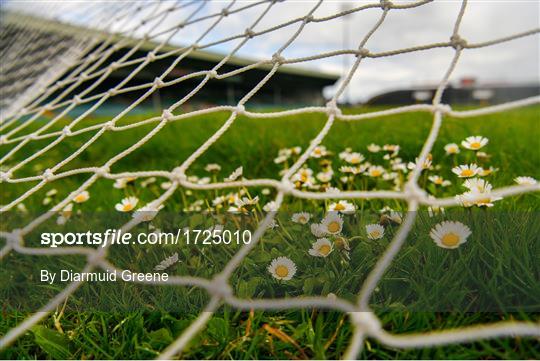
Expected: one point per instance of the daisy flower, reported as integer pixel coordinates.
(474, 142)
(123, 182)
(354, 158)
(487, 171)
(525, 181)
(147, 213)
(332, 223)
(375, 231)
(438, 180)
(319, 152)
(127, 204)
(449, 234)
(302, 217)
(325, 177)
(342, 207)
(477, 198)
(451, 148)
(321, 248)
(235, 174)
(81, 197)
(212, 167)
(280, 159)
(270, 207)
(375, 171)
(393, 216)
(317, 230)
(345, 153)
(352, 170)
(467, 170)
(373, 148)
(477, 185)
(282, 268)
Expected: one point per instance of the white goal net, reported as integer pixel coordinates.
(32, 86)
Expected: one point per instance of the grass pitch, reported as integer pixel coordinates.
(513, 148)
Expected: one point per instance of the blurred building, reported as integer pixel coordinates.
(288, 86)
(468, 92)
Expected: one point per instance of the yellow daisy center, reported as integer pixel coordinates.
(475, 145)
(438, 180)
(483, 201)
(450, 239)
(324, 249)
(376, 173)
(467, 172)
(339, 207)
(333, 227)
(317, 151)
(80, 198)
(282, 271)
(302, 219)
(127, 207)
(452, 150)
(375, 234)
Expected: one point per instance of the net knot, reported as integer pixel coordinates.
(48, 174)
(103, 171)
(332, 109)
(111, 92)
(224, 12)
(212, 73)
(158, 83)
(367, 321)
(77, 100)
(166, 115)
(109, 125)
(114, 65)
(386, 4)
(33, 136)
(3, 139)
(84, 75)
(278, 59)
(15, 237)
(363, 52)
(287, 187)
(458, 42)
(309, 18)
(151, 56)
(5, 176)
(249, 33)
(413, 192)
(179, 175)
(220, 287)
(94, 258)
(66, 131)
(240, 109)
(442, 108)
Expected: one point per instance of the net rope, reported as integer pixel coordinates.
(82, 64)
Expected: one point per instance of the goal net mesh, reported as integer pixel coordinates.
(33, 85)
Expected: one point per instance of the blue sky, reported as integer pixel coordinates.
(516, 61)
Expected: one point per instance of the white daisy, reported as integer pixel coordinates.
(270, 207)
(317, 230)
(123, 182)
(280, 159)
(212, 167)
(321, 248)
(235, 174)
(393, 216)
(374, 231)
(46, 201)
(81, 197)
(467, 170)
(477, 184)
(451, 148)
(438, 180)
(375, 171)
(52, 192)
(302, 217)
(282, 268)
(477, 198)
(450, 234)
(487, 171)
(474, 142)
(373, 148)
(332, 223)
(342, 207)
(345, 153)
(354, 158)
(525, 181)
(147, 213)
(127, 204)
(319, 151)
(325, 177)
(352, 170)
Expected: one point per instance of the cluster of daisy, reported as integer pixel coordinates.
(329, 235)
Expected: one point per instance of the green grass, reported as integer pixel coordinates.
(406, 300)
